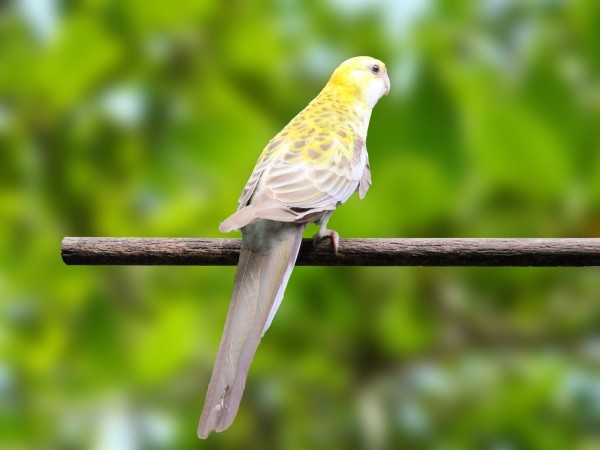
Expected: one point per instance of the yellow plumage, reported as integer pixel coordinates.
(318, 159)
(313, 165)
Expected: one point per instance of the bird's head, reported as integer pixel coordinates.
(364, 77)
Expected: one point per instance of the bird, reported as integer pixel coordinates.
(313, 165)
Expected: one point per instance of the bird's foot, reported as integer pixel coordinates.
(328, 234)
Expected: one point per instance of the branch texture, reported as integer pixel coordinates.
(352, 252)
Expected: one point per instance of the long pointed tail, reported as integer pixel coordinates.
(269, 251)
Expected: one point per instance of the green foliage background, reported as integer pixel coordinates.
(145, 118)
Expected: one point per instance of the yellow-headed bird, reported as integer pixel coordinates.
(313, 165)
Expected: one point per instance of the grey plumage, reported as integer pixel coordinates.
(269, 251)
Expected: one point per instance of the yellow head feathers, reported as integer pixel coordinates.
(363, 77)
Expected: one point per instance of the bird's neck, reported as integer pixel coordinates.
(348, 103)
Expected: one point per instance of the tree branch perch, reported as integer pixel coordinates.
(352, 252)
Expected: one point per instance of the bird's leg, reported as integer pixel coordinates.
(325, 233)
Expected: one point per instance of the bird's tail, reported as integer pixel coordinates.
(268, 255)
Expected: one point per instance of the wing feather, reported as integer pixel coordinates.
(311, 185)
(298, 188)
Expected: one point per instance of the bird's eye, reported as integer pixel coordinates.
(375, 68)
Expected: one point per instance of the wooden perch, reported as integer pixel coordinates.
(352, 252)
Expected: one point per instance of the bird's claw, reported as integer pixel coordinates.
(328, 234)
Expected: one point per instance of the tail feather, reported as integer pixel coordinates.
(266, 261)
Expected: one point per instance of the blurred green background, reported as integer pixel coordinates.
(145, 118)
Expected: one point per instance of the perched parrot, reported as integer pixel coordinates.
(313, 165)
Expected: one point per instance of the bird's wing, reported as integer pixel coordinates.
(276, 146)
(297, 184)
(365, 181)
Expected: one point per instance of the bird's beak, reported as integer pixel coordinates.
(386, 81)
